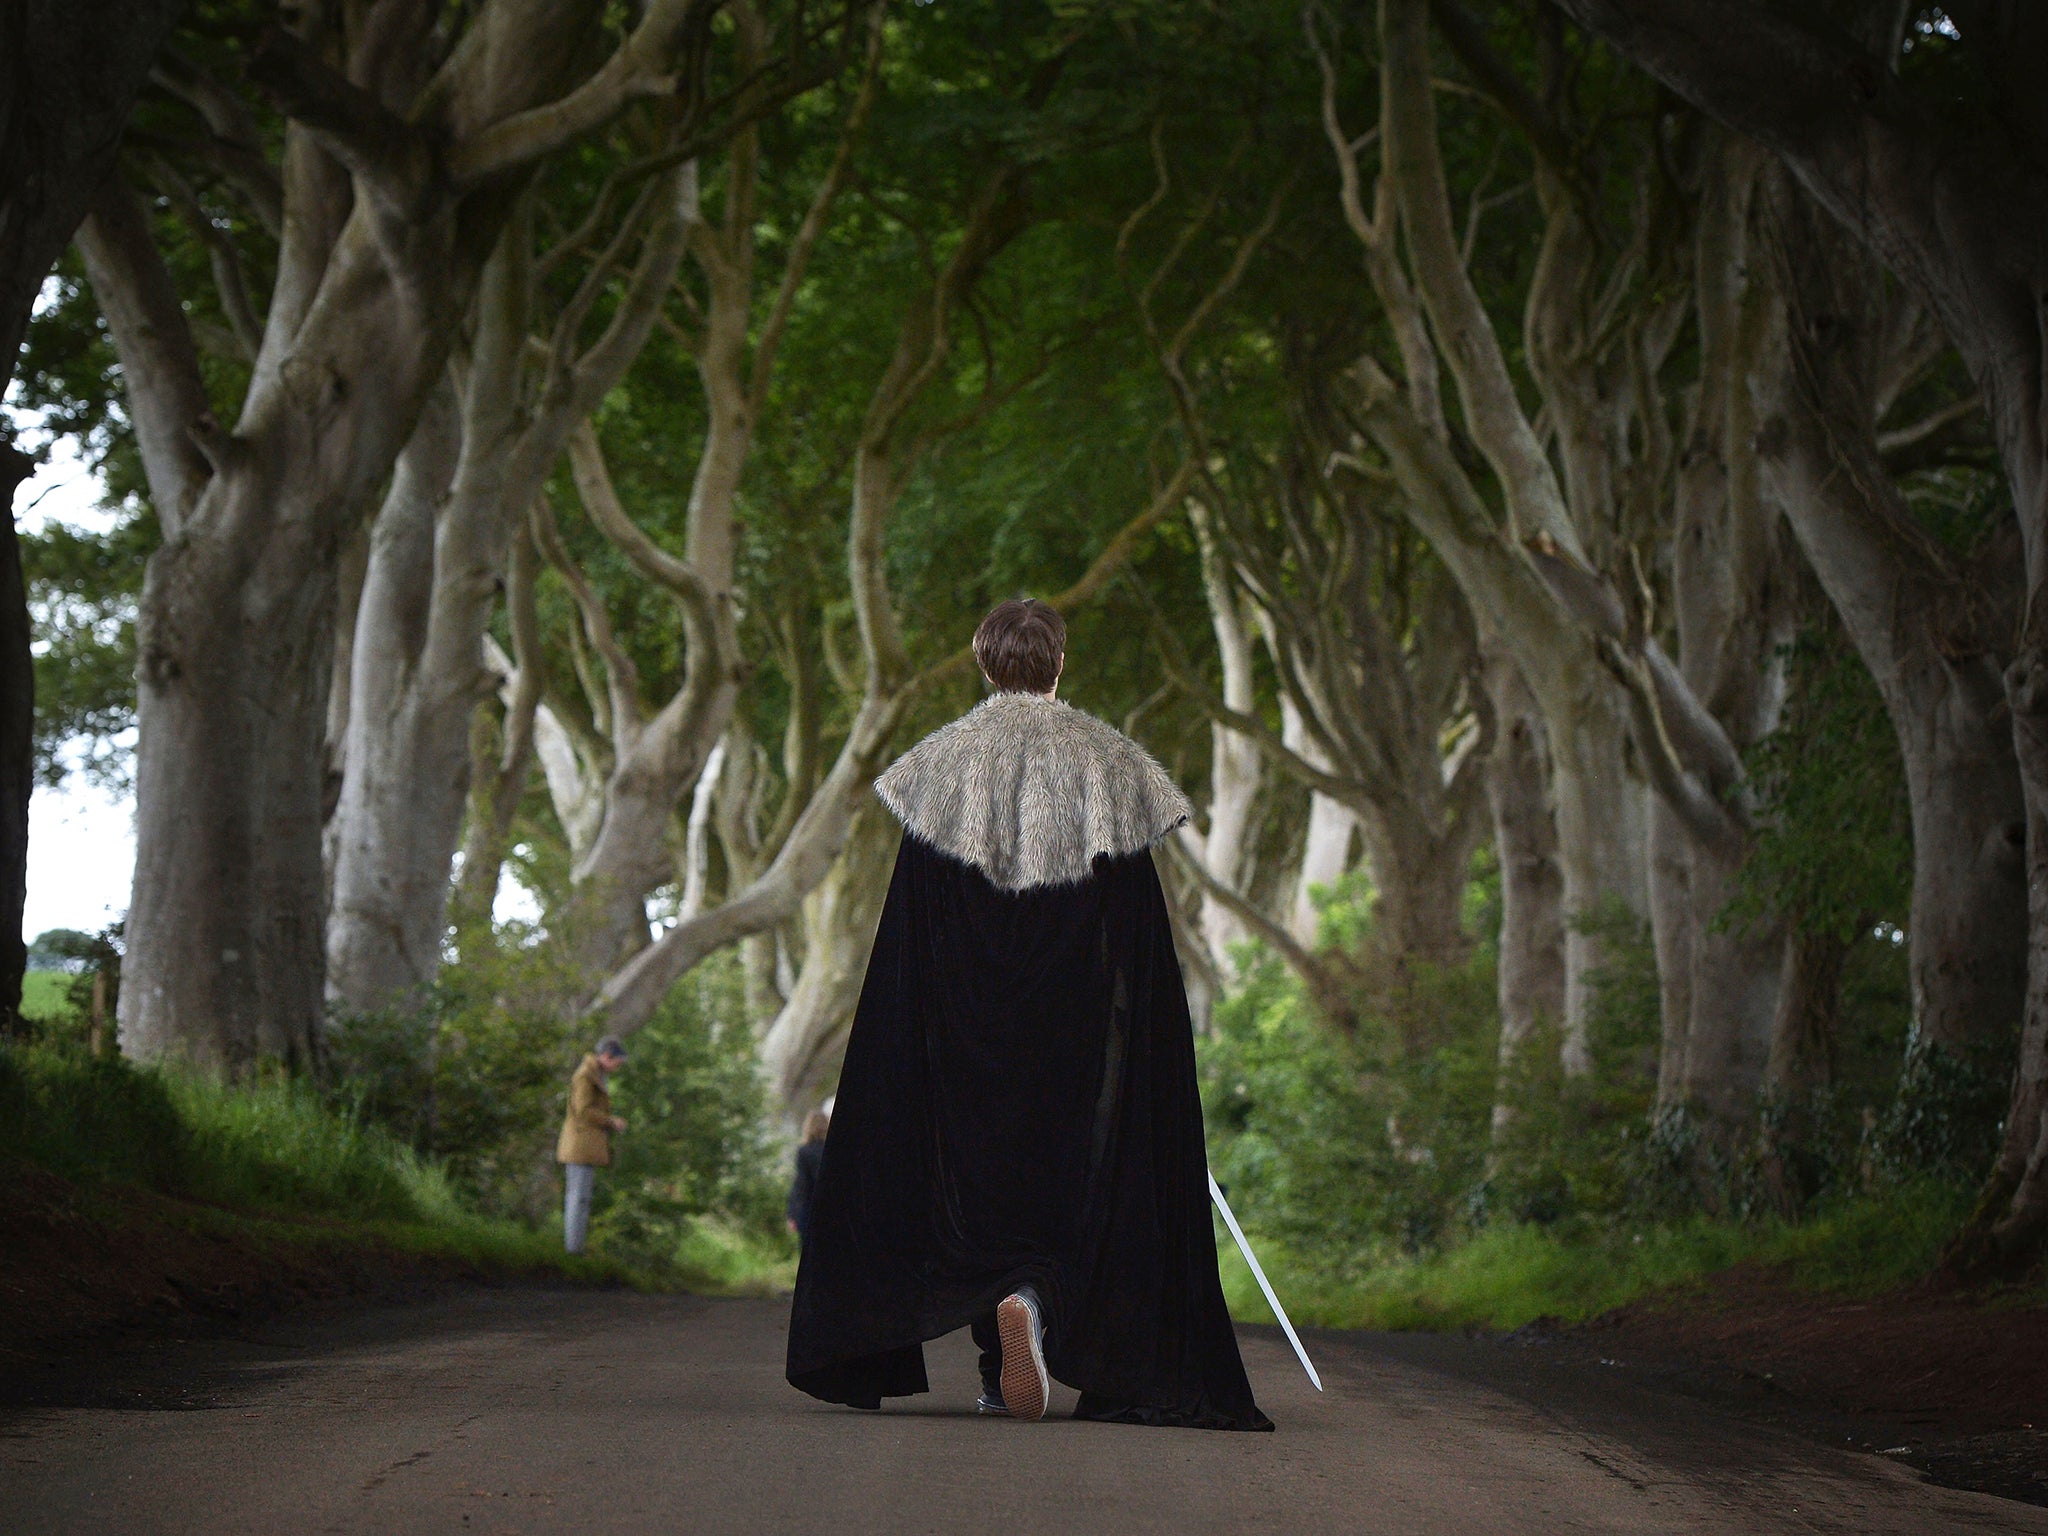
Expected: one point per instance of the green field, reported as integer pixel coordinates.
(43, 994)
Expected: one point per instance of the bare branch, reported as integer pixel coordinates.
(804, 242)
(1103, 569)
(160, 366)
(653, 61)
(622, 678)
(1932, 425)
(387, 154)
(225, 260)
(601, 501)
(1330, 978)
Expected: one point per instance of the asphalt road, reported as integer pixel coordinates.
(543, 1411)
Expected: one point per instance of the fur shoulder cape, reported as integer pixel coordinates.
(1029, 790)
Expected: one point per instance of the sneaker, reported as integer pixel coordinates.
(1022, 1331)
(991, 1401)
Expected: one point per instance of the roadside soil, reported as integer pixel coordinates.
(83, 1267)
(1952, 1382)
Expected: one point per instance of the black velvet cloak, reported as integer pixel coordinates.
(1018, 1104)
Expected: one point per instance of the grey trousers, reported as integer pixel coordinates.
(581, 1181)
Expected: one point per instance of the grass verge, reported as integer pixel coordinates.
(1506, 1276)
(268, 1165)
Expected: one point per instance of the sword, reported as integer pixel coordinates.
(1244, 1246)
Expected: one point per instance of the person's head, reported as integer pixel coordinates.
(816, 1124)
(611, 1053)
(1021, 646)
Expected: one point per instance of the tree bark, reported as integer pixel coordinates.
(1803, 1034)
(500, 761)
(883, 456)
(1731, 599)
(1532, 929)
(656, 765)
(802, 1048)
(1234, 760)
(1597, 808)
(1326, 840)
(17, 749)
(390, 866)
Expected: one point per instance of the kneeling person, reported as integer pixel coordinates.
(1017, 1141)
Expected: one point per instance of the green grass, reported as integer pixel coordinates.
(268, 1162)
(1510, 1275)
(44, 994)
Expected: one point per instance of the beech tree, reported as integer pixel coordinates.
(1921, 132)
(408, 135)
(69, 74)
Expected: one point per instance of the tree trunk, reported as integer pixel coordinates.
(1802, 1060)
(1731, 601)
(802, 1049)
(69, 74)
(224, 961)
(393, 199)
(1598, 806)
(1326, 842)
(500, 760)
(1419, 881)
(407, 757)
(435, 573)
(1234, 761)
(1532, 930)
(17, 749)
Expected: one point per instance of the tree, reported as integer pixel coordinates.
(69, 73)
(1923, 134)
(389, 200)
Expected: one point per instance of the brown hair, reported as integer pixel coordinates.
(1020, 646)
(816, 1124)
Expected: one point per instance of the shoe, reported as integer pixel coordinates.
(991, 1401)
(1022, 1331)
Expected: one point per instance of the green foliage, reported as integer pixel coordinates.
(1579, 1146)
(1513, 1274)
(59, 949)
(261, 1158)
(1947, 1117)
(1353, 1146)
(82, 593)
(1371, 1169)
(696, 1144)
(1833, 852)
(477, 1079)
(58, 1001)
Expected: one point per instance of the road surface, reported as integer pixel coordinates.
(555, 1411)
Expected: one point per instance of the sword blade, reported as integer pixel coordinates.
(1244, 1246)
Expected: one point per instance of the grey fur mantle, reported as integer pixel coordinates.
(1028, 790)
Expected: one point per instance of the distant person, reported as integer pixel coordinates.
(810, 1156)
(586, 1141)
(1017, 1140)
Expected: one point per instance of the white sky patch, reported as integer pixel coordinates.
(81, 857)
(81, 838)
